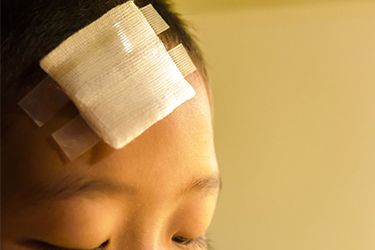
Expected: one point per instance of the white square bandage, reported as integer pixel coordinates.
(119, 75)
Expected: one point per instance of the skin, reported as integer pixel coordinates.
(148, 198)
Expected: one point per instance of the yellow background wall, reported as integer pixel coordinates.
(294, 88)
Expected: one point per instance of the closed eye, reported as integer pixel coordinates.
(46, 246)
(198, 242)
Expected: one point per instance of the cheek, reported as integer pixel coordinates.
(75, 223)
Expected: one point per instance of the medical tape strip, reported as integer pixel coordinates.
(76, 137)
(118, 73)
(87, 137)
(47, 98)
(156, 22)
(182, 60)
(44, 101)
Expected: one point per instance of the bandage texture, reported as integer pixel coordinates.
(119, 74)
(182, 60)
(156, 22)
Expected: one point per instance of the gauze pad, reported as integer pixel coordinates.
(76, 137)
(119, 75)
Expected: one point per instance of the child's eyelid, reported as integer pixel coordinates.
(196, 242)
(47, 246)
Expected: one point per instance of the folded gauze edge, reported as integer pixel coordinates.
(119, 75)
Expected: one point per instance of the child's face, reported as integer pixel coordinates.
(163, 184)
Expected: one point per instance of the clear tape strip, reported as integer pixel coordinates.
(156, 22)
(44, 101)
(182, 60)
(76, 137)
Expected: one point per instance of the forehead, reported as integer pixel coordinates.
(179, 145)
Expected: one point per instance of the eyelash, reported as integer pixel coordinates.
(198, 242)
(46, 246)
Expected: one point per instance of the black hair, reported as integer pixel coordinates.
(31, 29)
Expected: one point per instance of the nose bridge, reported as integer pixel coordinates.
(143, 239)
(148, 236)
(145, 230)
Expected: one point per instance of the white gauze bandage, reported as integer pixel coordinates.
(119, 75)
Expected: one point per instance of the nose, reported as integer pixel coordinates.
(145, 234)
(147, 241)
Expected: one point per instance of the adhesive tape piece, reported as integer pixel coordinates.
(156, 22)
(75, 138)
(119, 75)
(44, 101)
(182, 60)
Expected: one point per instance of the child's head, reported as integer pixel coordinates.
(158, 192)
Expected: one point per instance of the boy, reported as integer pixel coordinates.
(157, 192)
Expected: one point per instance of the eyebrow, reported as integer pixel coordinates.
(72, 186)
(209, 184)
